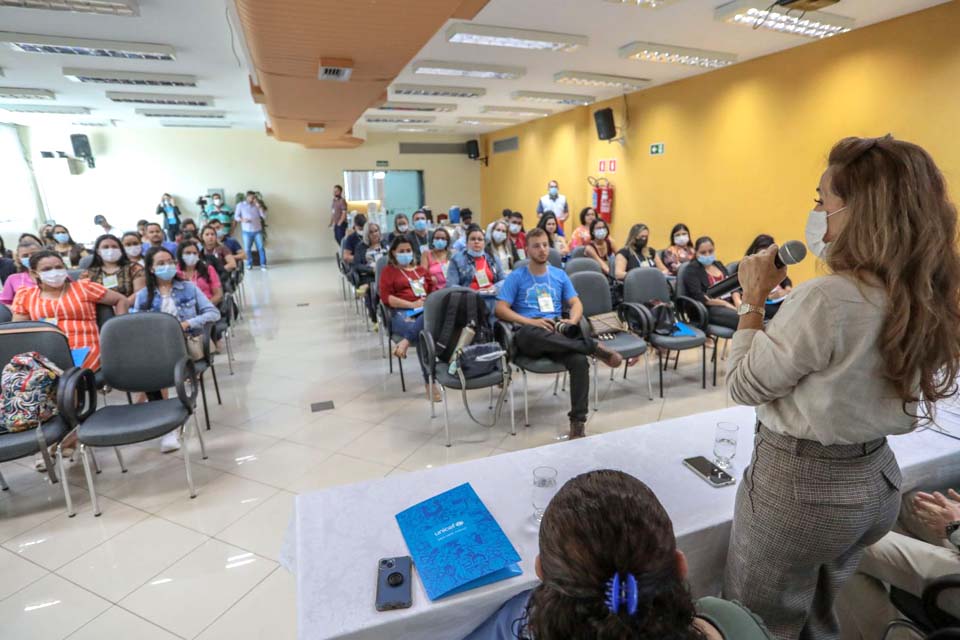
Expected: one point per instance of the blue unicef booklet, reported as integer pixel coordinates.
(456, 544)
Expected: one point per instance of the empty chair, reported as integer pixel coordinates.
(554, 259)
(579, 265)
(716, 331)
(578, 252)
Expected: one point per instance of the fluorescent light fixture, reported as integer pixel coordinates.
(415, 129)
(91, 124)
(810, 24)
(124, 8)
(133, 78)
(32, 43)
(316, 127)
(468, 70)
(160, 98)
(559, 98)
(437, 91)
(399, 119)
(197, 125)
(522, 112)
(417, 106)
(17, 93)
(646, 4)
(179, 113)
(468, 33)
(586, 79)
(653, 52)
(45, 108)
(487, 122)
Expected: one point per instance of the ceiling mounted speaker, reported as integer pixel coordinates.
(606, 129)
(473, 149)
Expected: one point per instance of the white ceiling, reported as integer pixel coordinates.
(608, 25)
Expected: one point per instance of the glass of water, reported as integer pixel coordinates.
(725, 444)
(544, 487)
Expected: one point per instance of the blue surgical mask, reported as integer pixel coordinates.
(165, 272)
(420, 225)
(707, 260)
(475, 254)
(499, 236)
(404, 259)
(62, 238)
(553, 191)
(440, 244)
(25, 262)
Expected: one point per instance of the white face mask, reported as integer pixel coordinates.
(54, 277)
(109, 255)
(600, 233)
(681, 241)
(815, 230)
(190, 259)
(133, 250)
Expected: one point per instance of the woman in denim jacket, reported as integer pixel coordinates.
(462, 271)
(165, 292)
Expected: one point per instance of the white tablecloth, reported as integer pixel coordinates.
(337, 535)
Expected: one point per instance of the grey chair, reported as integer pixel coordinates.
(85, 261)
(73, 389)
(733, 267)
(644, 286)
(715, 331)
(229, 315)
(439, 369)
(578, 252)
(520, 263)
(579, 265)
(206, 364)
(594, 293)
(555, 259)
(5, 314)
(524, 364)
(384, 313)
(167, 365)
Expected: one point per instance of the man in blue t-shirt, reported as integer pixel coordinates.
(532, 299)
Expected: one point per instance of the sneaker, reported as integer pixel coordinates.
(577, 429)
(263, 267)
(375, 327)
(170, 442)
(362, 290)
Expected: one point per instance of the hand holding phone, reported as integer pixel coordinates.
(709, 472)
(393, 583)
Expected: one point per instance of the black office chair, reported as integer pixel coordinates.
(206, 364)
(384, 313)
(928, 613)
(5, 314)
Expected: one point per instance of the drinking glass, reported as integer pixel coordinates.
(725, 444)
(544, 487)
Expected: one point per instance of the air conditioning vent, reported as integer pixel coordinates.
(161, 98)
(506, 144)
(335, 69)
(400, 119)
(17, 93)
(124, 8)
(56, 45)
(131, 78)
(179, 113)
(45, 108)
(437, 91)
(452, 148)
(425, 107)
(197, 125)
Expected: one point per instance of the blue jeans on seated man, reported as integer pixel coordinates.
(406, 327)
(249, 238)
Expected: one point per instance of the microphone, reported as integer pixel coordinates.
(791, 252)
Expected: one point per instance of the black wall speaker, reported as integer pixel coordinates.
(81, 145)
(606, 129)
(473, 149)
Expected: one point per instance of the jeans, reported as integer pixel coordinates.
(249, 237)
(409, 328)
(339, 231)
(571, 352)
(173, 228)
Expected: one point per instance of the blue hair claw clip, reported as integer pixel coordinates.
(622, 593)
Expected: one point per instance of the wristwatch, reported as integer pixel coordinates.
(746, 308)
(952, 527)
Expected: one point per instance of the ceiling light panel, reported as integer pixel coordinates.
(468, 33)
(131, 78)
(32, 43)
(197, 125)
(646, 4)
(124, 8)
(585, 79)
(44, 108)
(518, 111)
(558, 98)
(653, 52)
(91, 124)
(160, 98)
(437, 91)
(810, 24)
(179, 113)
(400, 119)
(485, 122)
(18, 93)
(468, 70)
(415, 129)
(425, 107)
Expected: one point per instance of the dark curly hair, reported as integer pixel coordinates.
(600, 523)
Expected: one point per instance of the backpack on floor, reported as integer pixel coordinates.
(458, 310)
(29, 382)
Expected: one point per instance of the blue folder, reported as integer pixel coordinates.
(682, 330)
(456, 544)
(79, 355)
(412, 313)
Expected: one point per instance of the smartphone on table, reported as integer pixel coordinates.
(709, 472)
(394, 583)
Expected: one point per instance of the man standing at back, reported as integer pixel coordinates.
(556, 203)
(532, 298)
(251, 218)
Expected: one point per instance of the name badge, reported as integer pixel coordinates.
(545, 300)
(522, 253)
(111, 282)
(52, 320)
(482, 280)
(418, 289)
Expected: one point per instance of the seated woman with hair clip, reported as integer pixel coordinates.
(112, 268)
(610, 569)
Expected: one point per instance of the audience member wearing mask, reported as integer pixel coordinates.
(474, 267)
(419, 235)
(703, 273)
(459, 235)
(364, 266)
(167, 293)
(504, 218)
(607, 529)
(111, 268)
(517, 235)
(779, 294)
(70, 251)
(555, 203)
(680, 252)
(193, 268)
(548, 222)
(22, 278)
(437, 259)
(637, 253)
(338, 214)
(223, 235)
(215, 252)
(404, 285)
(401, 227)
(104, 227)
(600, 247)
(501, 247)
(154, 238)
(251, 214)
(354, 239)
(133, 247)
(581, 235)
(171, 216)
(217, 209)
(188, 230)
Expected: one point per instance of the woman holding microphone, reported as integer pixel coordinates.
(851, 358)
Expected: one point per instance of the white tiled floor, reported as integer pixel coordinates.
(158, 565)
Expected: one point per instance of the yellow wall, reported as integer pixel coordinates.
(135, 166)
(745, 145)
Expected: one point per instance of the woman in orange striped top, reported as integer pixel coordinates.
(72, 306)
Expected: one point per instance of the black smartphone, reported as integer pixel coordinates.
(393, 583)
(711, 473)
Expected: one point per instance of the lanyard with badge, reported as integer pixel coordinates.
(416, 285)
(483, 281)
(54, 319)
(544, 296)
(111, 281)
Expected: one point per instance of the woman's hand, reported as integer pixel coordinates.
(185, 325)
(759, 275)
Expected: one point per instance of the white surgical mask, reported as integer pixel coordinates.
(514, 229)
(109, 255)
(54, 277)
(133, 250)
(600, 234)
(190, 259)
(499, 236)
(681, 241)
(815, 230)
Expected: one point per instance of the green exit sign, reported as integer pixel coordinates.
(383, 163)
(656, 149)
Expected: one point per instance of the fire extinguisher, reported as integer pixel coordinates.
(602, 197)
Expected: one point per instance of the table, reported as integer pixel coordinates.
(337, 535)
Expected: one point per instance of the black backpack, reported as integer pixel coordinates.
(664, 317)
(459, 309)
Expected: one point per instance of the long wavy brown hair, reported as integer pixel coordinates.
(902, 230)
